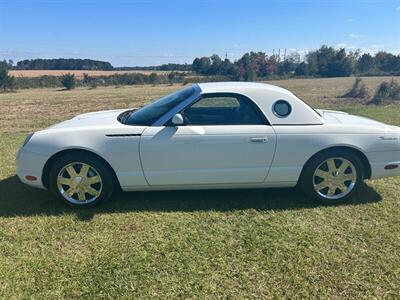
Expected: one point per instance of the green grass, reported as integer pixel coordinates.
(192, 244)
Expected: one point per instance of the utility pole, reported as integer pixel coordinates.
(284, 55)
(279, 54)
(226, 55)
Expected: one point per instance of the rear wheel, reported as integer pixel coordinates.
(81, 180)
(332, 177)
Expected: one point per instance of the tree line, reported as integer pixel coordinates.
(323, 62)
(62, 64)
(164, 67)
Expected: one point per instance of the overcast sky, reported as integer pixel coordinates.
(152, 32)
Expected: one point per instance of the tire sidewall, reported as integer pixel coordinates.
(307, 176)
(101, 168)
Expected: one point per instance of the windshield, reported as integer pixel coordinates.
(150, 113)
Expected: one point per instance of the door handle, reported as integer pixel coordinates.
(258, 139)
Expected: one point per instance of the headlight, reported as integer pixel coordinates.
(28, 137)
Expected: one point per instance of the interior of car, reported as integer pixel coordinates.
(223, 109)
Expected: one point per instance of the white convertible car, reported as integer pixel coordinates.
(207, 136)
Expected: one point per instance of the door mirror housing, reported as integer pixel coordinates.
(177, 120)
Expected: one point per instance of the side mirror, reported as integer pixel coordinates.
(177, 120)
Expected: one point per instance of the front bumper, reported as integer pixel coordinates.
(30, 164)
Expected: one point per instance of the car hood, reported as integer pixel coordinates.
(99, 118)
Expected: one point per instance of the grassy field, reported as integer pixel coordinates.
(78, 73)
(192, 244)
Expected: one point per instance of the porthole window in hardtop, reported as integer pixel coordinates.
(281, 108)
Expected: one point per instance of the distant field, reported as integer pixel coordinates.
(227, 244)
(78, 73)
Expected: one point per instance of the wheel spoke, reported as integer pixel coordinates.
(331, 191)
(322, 174)
(342, 187)
(64, 181)
(343, 167)
(93, 180)
(70, 192)
(81, 196)
(84, 170)
(331, 165)
(347, 177)
(71, 171)
(321, 185)
(92, 191)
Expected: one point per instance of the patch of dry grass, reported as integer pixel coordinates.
(34, 109)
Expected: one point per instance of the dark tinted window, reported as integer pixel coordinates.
(223, 109)
(150, 113)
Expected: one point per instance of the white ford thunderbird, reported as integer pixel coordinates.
(211, 135)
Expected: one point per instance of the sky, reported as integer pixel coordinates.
(153, 32)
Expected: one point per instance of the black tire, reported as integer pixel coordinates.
(307, 180)
(102, 170)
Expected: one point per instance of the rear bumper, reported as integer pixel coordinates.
(30, 164)
(379, 160)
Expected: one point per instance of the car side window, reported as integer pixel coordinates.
(223, 109)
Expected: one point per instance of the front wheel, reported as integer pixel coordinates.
(81, 180)
(332, 177)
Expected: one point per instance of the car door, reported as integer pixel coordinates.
(225, 140)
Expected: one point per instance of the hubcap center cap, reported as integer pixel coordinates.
(77, 180)
(335, 174)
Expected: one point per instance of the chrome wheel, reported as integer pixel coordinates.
(334, 178)
(79, 183)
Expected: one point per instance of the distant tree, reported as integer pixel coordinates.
(6, 64)
(252, 65)
(216, 67)
(328, 62)
(173, 67)
(387, 62)
(365, 63)
(312, 64)
(153, 78)
(68, 81)
(301, 69)
(171, 77)
(289, 65)
(201, 65)
(342, 64)
(6, 80)
(228, 68)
